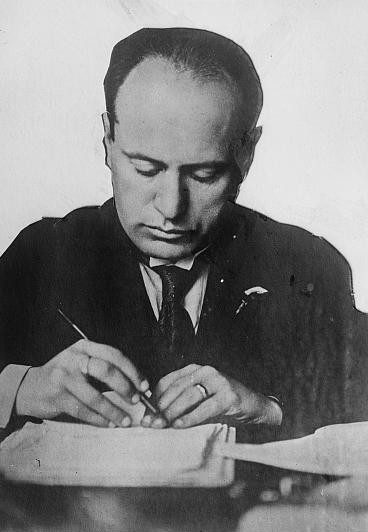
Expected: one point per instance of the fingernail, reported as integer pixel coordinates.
(158, 423)
(125, 422)
(147, 420)
(178, 423)
(144, 385)
(111, 425)
(135, 398)
(148, 393)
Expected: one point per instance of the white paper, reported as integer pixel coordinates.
(332, 450)
(75, 454)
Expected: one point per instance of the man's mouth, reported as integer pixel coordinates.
(168, 234)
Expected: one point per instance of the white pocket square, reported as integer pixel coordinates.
(255, 290)
(247, 293)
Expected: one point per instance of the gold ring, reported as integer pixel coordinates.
(203, 390)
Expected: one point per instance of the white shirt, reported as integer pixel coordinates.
(193, 301)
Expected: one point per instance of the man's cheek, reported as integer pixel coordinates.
(212, 211)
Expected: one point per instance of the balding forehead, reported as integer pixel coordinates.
(205, 53)
(170, 116)
(154, 76)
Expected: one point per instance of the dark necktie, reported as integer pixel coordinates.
(174, 321)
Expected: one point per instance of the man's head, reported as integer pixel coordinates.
(182, 106)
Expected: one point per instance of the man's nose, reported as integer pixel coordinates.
(172, 195)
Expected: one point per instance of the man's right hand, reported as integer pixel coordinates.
(61, 386)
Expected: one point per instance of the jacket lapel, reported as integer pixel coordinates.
(124, 316)
(231, 319)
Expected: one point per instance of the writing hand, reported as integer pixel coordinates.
(183, 403)
(61, 386)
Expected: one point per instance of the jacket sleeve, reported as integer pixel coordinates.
(21, 275)
(330, 344)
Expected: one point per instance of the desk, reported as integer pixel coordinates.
(73, 509)
(119, 510)
(339, 506)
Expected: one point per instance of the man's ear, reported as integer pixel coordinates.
(244, 153)
(107, 140)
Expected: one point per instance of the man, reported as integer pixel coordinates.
(221, 312)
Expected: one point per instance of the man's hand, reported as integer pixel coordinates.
(61, 386)
(183, 403)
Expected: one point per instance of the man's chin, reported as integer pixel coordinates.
(167, 250)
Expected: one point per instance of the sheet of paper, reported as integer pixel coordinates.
(65, 453)
(332, 450)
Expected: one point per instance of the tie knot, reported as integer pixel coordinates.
(175, 281)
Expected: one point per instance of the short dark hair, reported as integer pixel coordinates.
(206, 54)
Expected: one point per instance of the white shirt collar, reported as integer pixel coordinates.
(185, 263)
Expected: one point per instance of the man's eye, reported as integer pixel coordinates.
(145, 168)
(148, 173)
(206, 174)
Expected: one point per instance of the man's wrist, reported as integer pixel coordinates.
(269, 411)
(20, 403)
(10, 378)
(274, 410)
(260, 409)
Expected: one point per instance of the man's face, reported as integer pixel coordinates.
(170, 164)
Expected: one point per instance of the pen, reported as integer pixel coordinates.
(142, 396)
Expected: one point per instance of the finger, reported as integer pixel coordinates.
(154, 422)
(73, 407)
(114, 356)
(147, 420)
(97, 402)
(111, 375)
(170, 378)
(150, 419)
(187, 400)
(203, 375)
(204, 412)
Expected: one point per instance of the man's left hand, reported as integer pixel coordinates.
(200, 394)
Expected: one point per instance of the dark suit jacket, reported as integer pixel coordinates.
(295, 341)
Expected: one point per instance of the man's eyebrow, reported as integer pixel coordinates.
(141, 157)
(216, 164)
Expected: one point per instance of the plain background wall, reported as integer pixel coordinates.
(312, 56)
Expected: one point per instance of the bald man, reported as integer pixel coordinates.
(220, 312)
